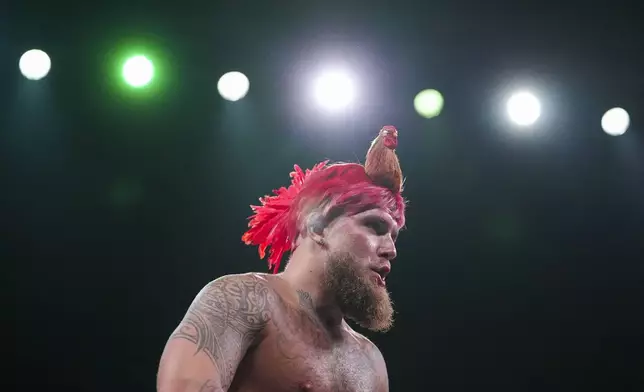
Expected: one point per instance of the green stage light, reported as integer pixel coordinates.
(138, 71)
(428, 103)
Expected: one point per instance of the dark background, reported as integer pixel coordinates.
(521, 266)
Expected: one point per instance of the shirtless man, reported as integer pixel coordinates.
(287, 331)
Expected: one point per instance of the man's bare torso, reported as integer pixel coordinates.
(296, 352)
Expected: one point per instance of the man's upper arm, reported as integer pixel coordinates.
(221, 324)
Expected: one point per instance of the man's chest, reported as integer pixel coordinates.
(301, 357)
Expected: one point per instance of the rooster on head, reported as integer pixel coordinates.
(382, 164)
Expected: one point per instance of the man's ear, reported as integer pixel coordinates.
(315, 226)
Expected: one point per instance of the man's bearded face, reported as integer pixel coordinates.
(357, 250)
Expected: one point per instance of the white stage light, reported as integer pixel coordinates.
(334, 90)
(524, 108)
(34, 64)
(233, 86)
(616, 121)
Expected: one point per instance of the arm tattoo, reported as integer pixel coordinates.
(224, 320)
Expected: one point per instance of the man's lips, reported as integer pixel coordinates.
(383, 270)
(379, 279)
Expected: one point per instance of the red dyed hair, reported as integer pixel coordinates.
(344, 187)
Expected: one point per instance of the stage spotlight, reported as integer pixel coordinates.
(233, 86)
(138, 71)
(616, 121)
(523, 108)
(334, 90)
(34, 64)
(428, 103)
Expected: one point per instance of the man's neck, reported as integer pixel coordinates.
(312, 296)
(329, 315)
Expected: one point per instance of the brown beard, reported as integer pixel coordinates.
(358, 296)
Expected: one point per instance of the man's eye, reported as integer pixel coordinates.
(378, 226)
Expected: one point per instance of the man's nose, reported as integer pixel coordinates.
(388, 249)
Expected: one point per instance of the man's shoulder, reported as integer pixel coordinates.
(365, 343)
(256, 290)
(256, 280)
(244, 301)
(248, 278)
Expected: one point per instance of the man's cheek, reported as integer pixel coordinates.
(358, 245)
